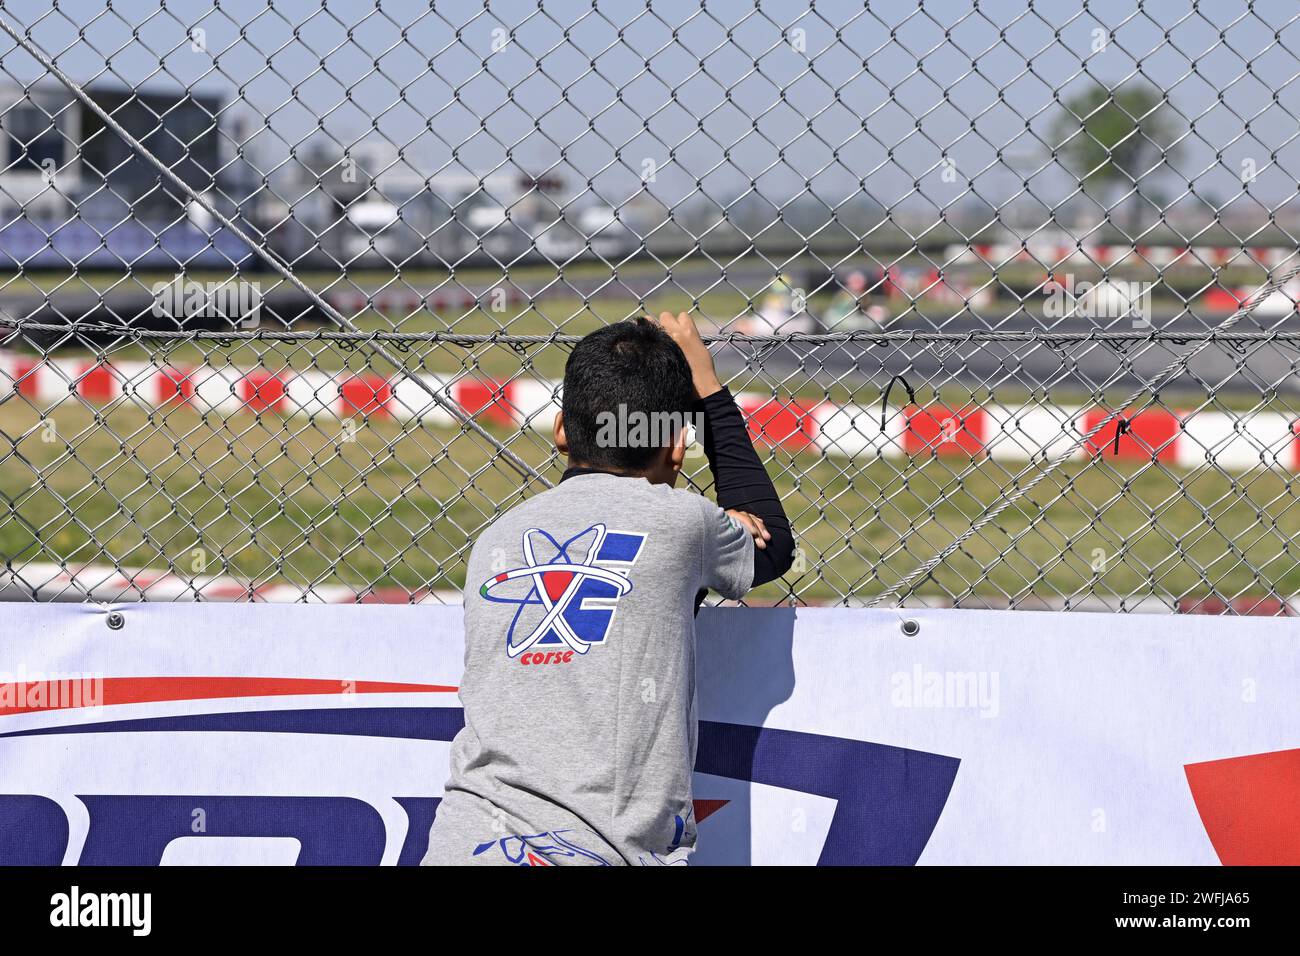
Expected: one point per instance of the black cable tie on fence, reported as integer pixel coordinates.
(1122, 427)
(884, 397)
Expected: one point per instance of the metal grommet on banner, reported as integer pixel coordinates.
(911, 628)
(115, 620)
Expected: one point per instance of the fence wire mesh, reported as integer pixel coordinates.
(1007, 293)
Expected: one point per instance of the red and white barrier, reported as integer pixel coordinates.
(1005, 433)
(106, 583)
(998, 432)
(44, 581)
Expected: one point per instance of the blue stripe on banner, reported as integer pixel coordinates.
(887, 799)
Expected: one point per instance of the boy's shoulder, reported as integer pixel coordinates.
(593, 494)
(601, 490)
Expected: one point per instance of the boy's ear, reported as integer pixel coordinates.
(677, 452)
(561, 439)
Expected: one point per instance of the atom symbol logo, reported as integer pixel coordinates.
(556, 583)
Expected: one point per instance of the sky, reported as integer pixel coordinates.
(909, 101)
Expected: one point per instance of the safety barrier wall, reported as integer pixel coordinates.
(201, 733)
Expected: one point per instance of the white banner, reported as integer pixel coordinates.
(216, 733)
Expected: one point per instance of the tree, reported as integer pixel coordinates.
(1111, 139)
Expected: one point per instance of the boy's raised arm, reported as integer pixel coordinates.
(741, 483)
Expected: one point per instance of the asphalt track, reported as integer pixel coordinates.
(1256, 368)
(1088, 367)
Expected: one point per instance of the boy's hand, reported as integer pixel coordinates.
(683, 331)
(754, 525)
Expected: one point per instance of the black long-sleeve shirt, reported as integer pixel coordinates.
(740, 481)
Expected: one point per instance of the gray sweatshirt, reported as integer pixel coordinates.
(579, 686)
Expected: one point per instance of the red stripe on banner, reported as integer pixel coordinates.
(96, 382)
(485, 399)
(1149, 435)
(261, 391)
(707, 808)
(18, 698)
(780, 424)
(1248, 806)
(943, 431)
(365, 395)
(174, 385)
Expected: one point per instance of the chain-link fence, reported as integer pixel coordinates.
(1006, 291)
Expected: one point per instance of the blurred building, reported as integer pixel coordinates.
(73, 191)
(46, 129)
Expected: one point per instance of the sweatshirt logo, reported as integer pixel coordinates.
(566, 594)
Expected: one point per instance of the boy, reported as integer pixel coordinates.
(579, 686)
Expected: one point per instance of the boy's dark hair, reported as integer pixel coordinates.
(635, 365)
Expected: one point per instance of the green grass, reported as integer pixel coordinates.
(282, 499)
